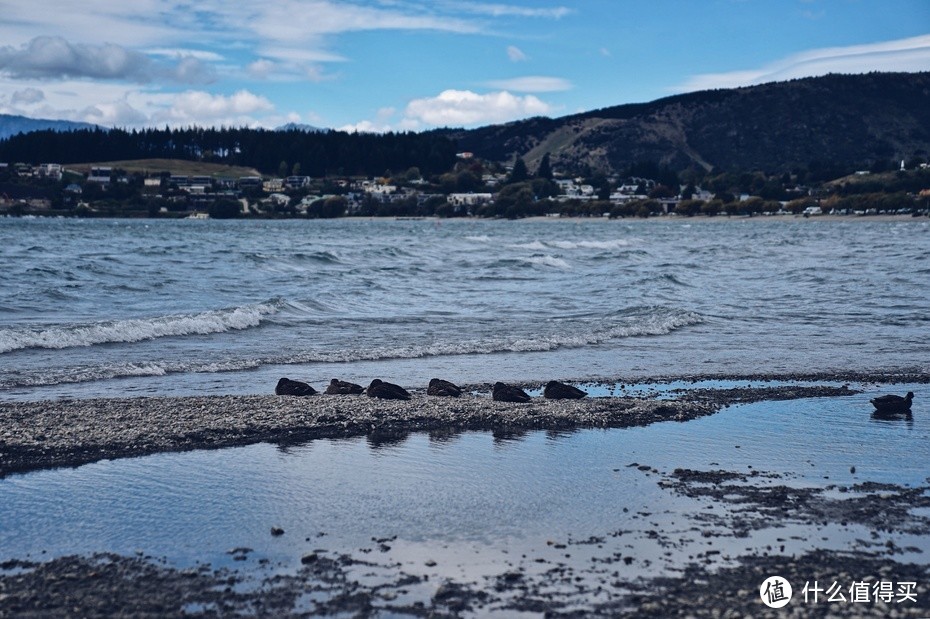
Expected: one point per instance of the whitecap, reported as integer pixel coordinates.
(534, 246)
(549, 261)
(137, 329)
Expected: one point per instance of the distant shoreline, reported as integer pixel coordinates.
(741, 218)
(535, 218)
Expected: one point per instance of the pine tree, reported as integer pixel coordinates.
(544, 170)
(519, 173)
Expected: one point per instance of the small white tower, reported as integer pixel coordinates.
(902, 165)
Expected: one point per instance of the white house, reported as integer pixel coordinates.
(469, 199)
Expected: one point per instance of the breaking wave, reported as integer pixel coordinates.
(630, 323)
(137, 329)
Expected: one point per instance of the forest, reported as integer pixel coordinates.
(293, 152)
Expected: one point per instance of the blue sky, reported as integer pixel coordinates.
(377, 65)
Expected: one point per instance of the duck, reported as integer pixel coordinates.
(893, 404)
(341, 387)
(560, 391)
(386, 391)
(286, 386)
(502, 392)
(440, 387)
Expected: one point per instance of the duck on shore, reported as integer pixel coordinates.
(502, 392)
(893, 404)
(342, 387)
(560, 391)
(386, 391)
(440, 387)
(286, 386)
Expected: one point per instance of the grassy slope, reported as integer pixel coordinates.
(175, 166)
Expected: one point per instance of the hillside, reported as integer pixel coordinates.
(178, 167)
(840, 119)
(11, 125)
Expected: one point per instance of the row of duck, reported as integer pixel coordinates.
(501, 392)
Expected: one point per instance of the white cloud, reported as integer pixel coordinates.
(532, 83)
(199, 107)
(29, 96)
(912, 54)
(516, 54)
(509, 10)
(453, 108)
(366, 126)
(180, 52)
(112, 114)
(127, 105)
(126, 23)
(55, 58)
(190, 70)
(48, 57)
(261, 69)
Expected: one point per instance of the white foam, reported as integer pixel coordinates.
(613, 244)
(137, 329)
(534, 246)
(639, 322)
(549, 261)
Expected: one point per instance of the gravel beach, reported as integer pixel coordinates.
(48, 434)
(69, 433)
(40, 435)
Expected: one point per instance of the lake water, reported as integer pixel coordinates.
(149, 307)
(104, 308)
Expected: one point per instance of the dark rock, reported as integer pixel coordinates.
(439, 387)
(277, 531)
(310, 558)
(508, 393)
(286, 386)
(341, 387)
(386, 391)
(560, 391)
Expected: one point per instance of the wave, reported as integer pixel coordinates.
(549, 261)
(631, 323)
(534, 246)
(614, 244)
(644, 321)
(138, 329)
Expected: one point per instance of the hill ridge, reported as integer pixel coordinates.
(773, 126)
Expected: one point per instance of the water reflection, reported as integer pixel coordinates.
(474, 499)
(894, 418)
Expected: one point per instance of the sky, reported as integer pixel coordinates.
(413, 65)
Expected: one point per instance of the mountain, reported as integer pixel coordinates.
(301, 127)
(11, 125)
(775, 127)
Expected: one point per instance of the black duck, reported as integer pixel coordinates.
(508, 393)
(341, 387)
(440, 387)
(386, 391)
(560, 391)
(893, 404)
(286, 386)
